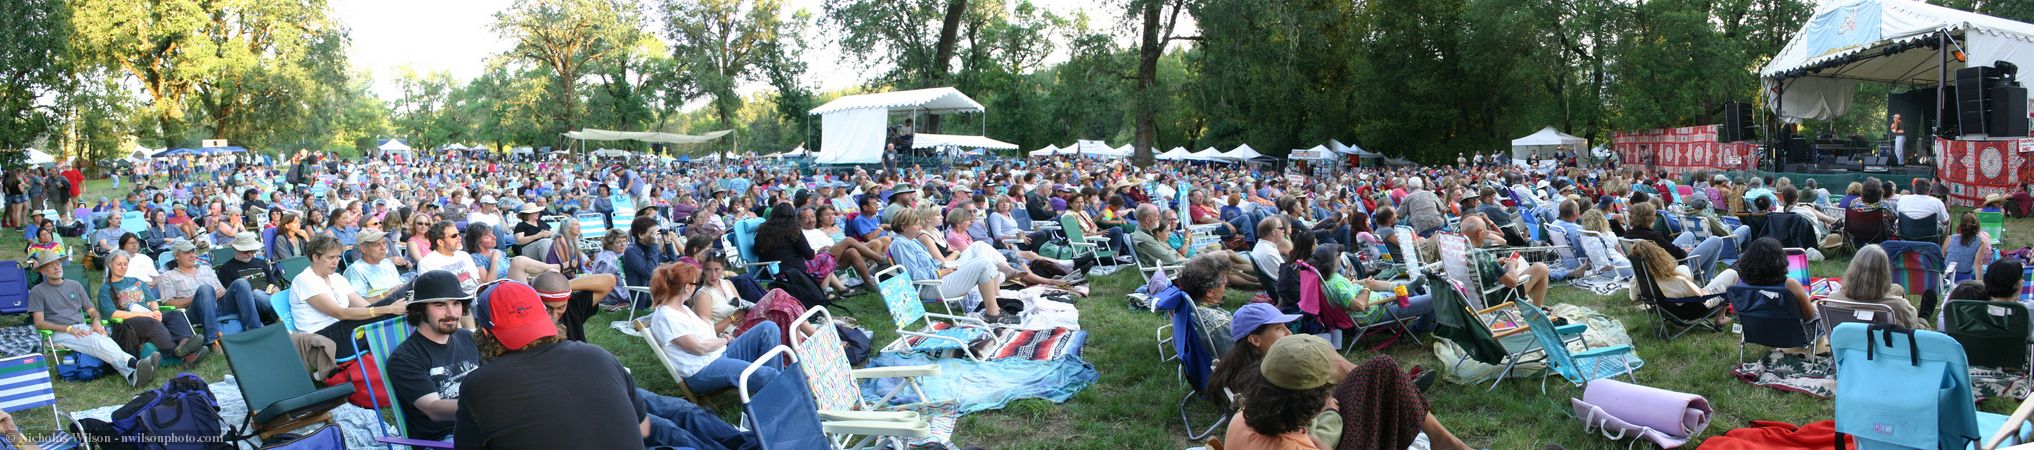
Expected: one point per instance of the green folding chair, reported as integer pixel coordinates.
(1084, 245)
(1993, 334)
(1993, 224)
(292, 266)
(280, 394)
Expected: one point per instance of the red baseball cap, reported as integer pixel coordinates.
(514, 314)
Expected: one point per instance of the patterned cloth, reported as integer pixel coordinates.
(18, 340)
(361, 425)
(1789, 372)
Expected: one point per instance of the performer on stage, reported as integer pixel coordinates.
(1899, 141)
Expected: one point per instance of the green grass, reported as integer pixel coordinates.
(1134, 403)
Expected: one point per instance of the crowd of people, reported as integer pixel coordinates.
(470, 250)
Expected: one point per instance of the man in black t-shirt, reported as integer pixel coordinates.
(427, 368)
(513, 401)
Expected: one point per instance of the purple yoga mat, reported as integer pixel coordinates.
(1623, 410)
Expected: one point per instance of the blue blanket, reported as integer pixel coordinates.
(980, 386)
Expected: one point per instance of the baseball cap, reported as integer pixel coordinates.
(1299, 362)
(1253, 316)
(370, 235)
(181, 245)
(513, 313)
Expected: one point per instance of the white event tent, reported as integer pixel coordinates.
(853, 127)
(1209, 154)
(1176, 154)
(1883, 41)
(1049, 150)
(960, 141)
(1547, 139)
(1242, 152)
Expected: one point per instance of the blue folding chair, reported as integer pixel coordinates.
(1579, 368)
(1922, 375)
(782, 412)
(744, 235)
(28, 385)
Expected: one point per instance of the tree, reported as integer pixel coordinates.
(262, 59)
(724, 40)
(1159, 18)
(149, 40)
(34, 60)
(565, 37)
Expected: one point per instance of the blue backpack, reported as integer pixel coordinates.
(78, 366)
(182, 414)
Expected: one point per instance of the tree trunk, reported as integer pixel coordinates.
(1148, 51)
(942, 57)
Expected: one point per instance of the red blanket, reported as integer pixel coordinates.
(1764, 435)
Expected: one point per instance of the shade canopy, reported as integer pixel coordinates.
(592, 134)
(1882, 41)
(390, 145)
(1210, 154)
(1546, 139)
(929, 140)
(1317, 153)
(1049, 150)
(1241, 153)
(1176, 154)
(934, 100)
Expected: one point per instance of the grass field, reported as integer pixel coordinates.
(1133, 405)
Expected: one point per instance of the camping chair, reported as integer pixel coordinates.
(744, 235)
(1992, 223)
(30, 386)
(1578, 367)
(1675, 316)
(1084, 245)
(134, 222)
(939, 332)
(592, 227)
(1146, 270)
(836, 387)
(642, 327)
(1497, 340)
(271, 376)
(1924, 229)
(220, 255)
(1919, 373)
(1834, 312)
(2027, 284)
(1919, 267)
(382, 339)
(1861, 228)
(1194, 350)
(1993, 334)
(292, 266)
(1770, 318)
(624, 209)
(783, 414)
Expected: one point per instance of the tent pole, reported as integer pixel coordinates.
(1941, 81)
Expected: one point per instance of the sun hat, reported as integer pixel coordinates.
(181, 245)
(1299, 362)
(370, 235)
(1253, 316)
(512, 313)
(1994, 198)
(530, 208)
(46, 257)
(437, 286)
(905, 189)
(246, 241)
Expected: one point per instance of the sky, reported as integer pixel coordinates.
(455, 36)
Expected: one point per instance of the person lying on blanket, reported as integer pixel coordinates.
(1292, 407)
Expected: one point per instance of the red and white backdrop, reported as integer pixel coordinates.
(1682, 150)
(1974, 169)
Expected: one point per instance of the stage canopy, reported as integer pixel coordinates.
(852, 128)
(1546, 139)
(591, 134)
(929, 140)
(1882, 41)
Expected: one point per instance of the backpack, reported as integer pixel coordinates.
(182, 414)
(77, 366)
(349, 373)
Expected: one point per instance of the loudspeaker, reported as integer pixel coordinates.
(1737, 123)
(1972, 100)
(2008, 114)
(1948, 125)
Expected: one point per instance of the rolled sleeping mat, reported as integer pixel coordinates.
(1623, 410)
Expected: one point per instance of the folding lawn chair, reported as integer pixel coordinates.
(29, 386)
(1923, 230)
(1992, 223)
(1919, 267)
(1497, 340)
(1195, 351)
(1084, 245)
(1920, 374)
(783, 414)
(270, 375)
(133, 222)
(836, 388)
(1674, 316)
(744, 235)
(1838, 312)
(1993, 334)
(1146, 270)
(643, 329)
(1579, 368)
(382, 339)
(1861, 227)
(592, 227)
(939, 333)
(290, 267)
(2027, 284)
(1770, 318)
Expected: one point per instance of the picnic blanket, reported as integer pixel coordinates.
(1796, 373)
(18, 340)
(1601, 283)
(981, 386)
(360, 425)
(1769, 435)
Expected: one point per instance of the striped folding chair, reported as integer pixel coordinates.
(25, 383)
(382, 339)
(2027, 284)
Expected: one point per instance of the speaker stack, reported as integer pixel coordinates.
(1737, 123)
(1991, 102)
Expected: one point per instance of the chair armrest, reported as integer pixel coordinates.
(2012, 426)
(958, 320)
(415, 443)
(1604, 351)
(1571, 329)
(876, 428)
(1496, 307)
(1511, 331)
(874, 416)
(929, 370)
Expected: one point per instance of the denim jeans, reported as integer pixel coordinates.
(1421, 306)
(675, 422)
(726, 372)
(1714, 249)
(240, 299)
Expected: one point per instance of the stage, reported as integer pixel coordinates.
(1972, 169)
